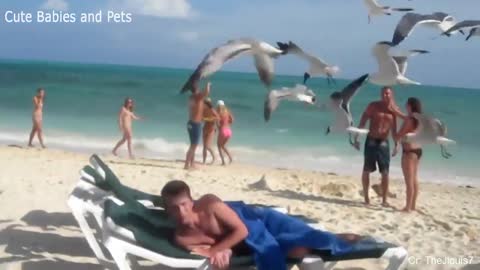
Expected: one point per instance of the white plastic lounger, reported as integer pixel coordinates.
(88, 195)
(129, 230)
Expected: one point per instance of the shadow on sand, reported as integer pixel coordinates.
(293, 195)
(27, 244)
(42, 245)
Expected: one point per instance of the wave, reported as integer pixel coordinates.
(325, 159)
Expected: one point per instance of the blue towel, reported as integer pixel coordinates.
(271, 235)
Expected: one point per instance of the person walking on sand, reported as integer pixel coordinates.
(383, 121)
(210, 118)
(125, 119)
(411, 153)
(225, 130)
(37, 117)
(194, 125)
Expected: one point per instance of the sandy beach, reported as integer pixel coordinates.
(38, 231)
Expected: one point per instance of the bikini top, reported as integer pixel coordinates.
(209, 119)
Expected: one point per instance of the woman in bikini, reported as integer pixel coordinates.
(125, 119)
(412, 152)
(210, 118)
(225, 131)
(37, 117)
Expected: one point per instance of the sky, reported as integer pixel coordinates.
(178, 33)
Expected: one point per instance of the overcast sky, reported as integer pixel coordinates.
(178, 33)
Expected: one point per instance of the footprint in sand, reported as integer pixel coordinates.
(443, 224)
(390, 227)
(405, 237)
(418, 225)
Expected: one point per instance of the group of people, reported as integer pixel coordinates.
(383, 115)
(201, 110)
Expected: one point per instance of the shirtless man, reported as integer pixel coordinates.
(194, 125)
(377, 150)
(37, 117)
(125, 118)
(210, 228)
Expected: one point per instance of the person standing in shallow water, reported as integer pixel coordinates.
(225, 130)
(194, 126)
(125, 119)
(37, 117)
(210, 118)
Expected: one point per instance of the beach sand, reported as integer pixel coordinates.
(38, 231)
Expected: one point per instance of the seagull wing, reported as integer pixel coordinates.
(461, 25)
(265, 67)
(273, 101)
(372, 4)
(427, 127)
(215, 59)
(386, 64)
(316, 64)
(401, 60)
(409, 21)
(343, 119)
(350, 90)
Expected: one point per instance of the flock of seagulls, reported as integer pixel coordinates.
(392, 68)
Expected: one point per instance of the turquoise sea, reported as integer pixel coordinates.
(83, 100)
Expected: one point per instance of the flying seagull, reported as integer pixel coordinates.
(473, 25)
(375, 9)
(317, 65)
(298, 93)
(430, 131)
(409, 21)
(262, 53)
(340, 104)
(391, 69)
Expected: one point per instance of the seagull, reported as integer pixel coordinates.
(391, 69)
(317, 65)
(473, 25)
(430, 131)
(298, 93)
(473, 32)
(374, 9)
(262, 53)
(409, 21)
(340, 104)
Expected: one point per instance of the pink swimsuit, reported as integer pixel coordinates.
(225, 129)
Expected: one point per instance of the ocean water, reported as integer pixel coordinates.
(82, 102)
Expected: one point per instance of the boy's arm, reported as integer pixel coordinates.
(238, 230)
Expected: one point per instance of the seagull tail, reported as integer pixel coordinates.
(405, 80)
(284, 47)
(403, 9)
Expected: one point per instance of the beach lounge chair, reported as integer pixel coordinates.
(94, 186)
(132, 229)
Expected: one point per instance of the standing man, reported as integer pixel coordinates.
(194, 125)
(377, 149)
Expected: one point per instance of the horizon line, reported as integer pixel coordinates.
(46, 61)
